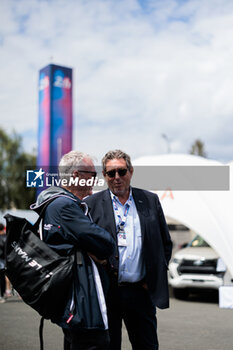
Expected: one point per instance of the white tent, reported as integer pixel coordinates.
(208, 213)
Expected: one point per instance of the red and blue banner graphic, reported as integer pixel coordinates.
(44, 118)
(55, 114)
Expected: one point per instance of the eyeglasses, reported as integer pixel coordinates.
(112, 173)
(93, 173)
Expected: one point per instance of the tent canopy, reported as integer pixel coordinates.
(208, 213)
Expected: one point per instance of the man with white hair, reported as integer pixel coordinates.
(80, 166)
(66, 228)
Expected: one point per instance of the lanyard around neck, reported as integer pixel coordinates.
(122, 220)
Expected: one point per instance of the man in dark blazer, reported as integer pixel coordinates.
(138, 269)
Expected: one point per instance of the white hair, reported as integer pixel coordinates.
(71, 162)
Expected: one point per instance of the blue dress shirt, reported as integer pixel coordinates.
(131, 265)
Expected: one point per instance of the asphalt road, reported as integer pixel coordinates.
(196, 324)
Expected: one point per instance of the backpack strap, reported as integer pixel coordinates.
(37, 223)
(41, 333)
(48, 201)
(82, 205)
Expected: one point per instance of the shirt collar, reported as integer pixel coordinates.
(114, 197)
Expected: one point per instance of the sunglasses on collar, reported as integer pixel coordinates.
(112, 173)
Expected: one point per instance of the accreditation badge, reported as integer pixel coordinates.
(121, 239)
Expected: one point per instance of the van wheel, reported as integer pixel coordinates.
(180, 293)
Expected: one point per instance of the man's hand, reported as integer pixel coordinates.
(101, 262)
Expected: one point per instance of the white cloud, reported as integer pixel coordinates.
(139, 71)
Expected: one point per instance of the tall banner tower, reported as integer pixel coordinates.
(55, 115)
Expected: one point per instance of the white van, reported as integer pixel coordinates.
(195, 266)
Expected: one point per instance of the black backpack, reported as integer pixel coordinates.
(35, 270)
(45, 280)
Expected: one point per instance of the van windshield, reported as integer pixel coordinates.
(198, 241)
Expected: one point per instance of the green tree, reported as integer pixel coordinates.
(198, 148)
(13, 164)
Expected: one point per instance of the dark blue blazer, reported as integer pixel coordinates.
(156, 241)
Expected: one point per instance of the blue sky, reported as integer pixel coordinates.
(141, 69)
